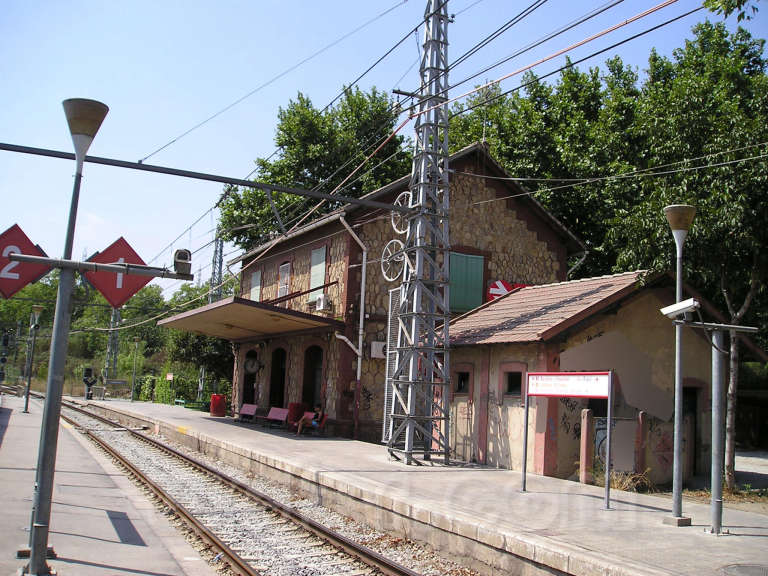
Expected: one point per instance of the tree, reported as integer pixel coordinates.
(728, 7)
(706, 107)
(712, 98)
(212, 353)
(318, 149)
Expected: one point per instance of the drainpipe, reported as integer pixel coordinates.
(573, 268)
(361, 323)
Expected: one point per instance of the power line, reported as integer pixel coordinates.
(573, 24)
(274, 79)
(636, 174)
(577, 62)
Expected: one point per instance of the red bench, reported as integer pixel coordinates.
(308, 427)
(247, 410)
(276, 416)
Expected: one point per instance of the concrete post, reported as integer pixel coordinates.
(587, 447)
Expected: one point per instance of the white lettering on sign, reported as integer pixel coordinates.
(6, 271)
(577, 384)
(119, 286)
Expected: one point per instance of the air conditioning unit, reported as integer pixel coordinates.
(378, 349)
(321, 302)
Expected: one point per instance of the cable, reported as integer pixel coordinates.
(573, 24)
(498, 32)
(630, 175)
(577, 62)
(274, 79)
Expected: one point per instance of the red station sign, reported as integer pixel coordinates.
(117, 287)
(15, 275)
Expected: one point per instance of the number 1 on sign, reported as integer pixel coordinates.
(119, 284)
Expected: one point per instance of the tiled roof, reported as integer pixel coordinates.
(537, 313)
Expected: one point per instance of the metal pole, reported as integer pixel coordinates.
(33, 328)
(677, 466)
(608, 443)
(718, 379)
(49, 433)
(133, 380)
(525, 437)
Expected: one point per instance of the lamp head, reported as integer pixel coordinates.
(680, 216)
(36, 311)
(84, 118)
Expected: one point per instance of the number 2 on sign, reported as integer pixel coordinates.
(6, 271)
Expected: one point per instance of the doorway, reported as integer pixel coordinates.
(313, 375)
(277, 378)
(249, 380)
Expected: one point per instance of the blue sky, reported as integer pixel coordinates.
(164, 66)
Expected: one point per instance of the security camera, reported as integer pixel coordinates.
(182, 261)
(678, 309)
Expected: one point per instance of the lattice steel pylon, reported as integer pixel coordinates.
(217, 270)
(419, 416)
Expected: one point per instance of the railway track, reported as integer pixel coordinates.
(254, 533)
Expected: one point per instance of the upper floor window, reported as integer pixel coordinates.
(255, 293)
(317, 272)
(284, 279)
(466, 284)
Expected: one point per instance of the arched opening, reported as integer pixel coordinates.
(251, 367)
(313, 375)
(277, 378)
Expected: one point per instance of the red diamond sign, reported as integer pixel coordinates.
(117, 287)
(15, 275)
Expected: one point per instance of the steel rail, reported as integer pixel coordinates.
(339, 541)
(236, 563)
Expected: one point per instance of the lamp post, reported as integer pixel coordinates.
(34, 326)
(135, 350)
(84, 118)
(680, 217)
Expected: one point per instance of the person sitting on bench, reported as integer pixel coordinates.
(314, 421)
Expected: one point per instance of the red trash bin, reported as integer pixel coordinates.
(217, 405)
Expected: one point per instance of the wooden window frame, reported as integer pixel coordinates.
(504, 369)
(250, 290)
(280, 278)
(312, 296)
(469, 368)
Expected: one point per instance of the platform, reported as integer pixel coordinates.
(476, 511)
(100, 522)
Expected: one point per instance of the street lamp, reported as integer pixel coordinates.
(84, 118)
(135, 350)
(680, 217)
(34, 326)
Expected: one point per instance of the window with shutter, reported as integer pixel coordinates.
(466, 285)
(255, 294)
(317, 272)
(284, 279)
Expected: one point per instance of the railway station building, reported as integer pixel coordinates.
(305, 299)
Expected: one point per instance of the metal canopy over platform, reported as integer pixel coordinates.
(241, 319)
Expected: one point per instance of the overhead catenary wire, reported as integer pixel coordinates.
(516, 72)
(546, 38)
(275, 78)
(413, 115)
(574, 63)
(636, 174)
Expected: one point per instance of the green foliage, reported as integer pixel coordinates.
(195, 350)
(727, 7)
(711, 97)
(164, 393)
(317, 150)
